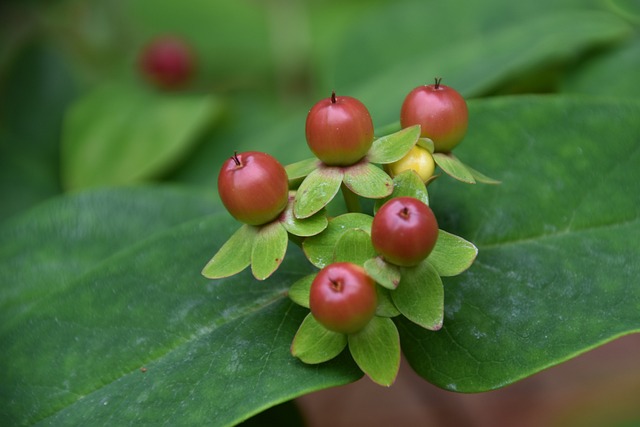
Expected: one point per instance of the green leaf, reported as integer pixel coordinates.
(453, 167)
(480, 177)
(368, 180)
(268, 251)
(119, 134)
(426, 143)
(391, 148)
(376, 350)
(354, 246)
(317, 190)
(299, 291)
(386, 307)
(557, 271)
(452, 254)
(320, 248)
(420, 296)
(406, 184)
(314, 343)
(296, 172)
(310, 226)
(98, 285)
(387, 275)
(234, 256)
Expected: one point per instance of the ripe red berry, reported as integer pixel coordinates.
(167, 62)
(441, 113)
(404, 231)
(343, 297)
(254, 188)
(339, 130)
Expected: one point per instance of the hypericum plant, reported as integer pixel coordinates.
(373, 266)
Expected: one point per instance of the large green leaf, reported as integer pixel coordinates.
(129, 331)
(96, 286)
(557, 271)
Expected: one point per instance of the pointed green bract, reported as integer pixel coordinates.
(376, 350)
(313, 343)
(269, 248)
(480, 177)
(234, 256)
(310, 226)
(452, 254)
(296, 172)
(406, 184)
(354, 246)
(387, 275)
(299, 291)
(420, 296)
(320, 248)
(393, 147)
(368, 180)
(453, 167)
(317, 190)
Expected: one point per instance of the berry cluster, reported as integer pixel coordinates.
(371, 267)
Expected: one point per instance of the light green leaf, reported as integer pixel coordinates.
(426, 143)
(296, 172)
(480, 177)
(310, 226)
(376, 350)
(368, 180)
(406, 184)
(420, 296)
(317, 190)
(314, 343)
(393, 147)
(453, 167)
(320, 248)
(452, 254)
(268, 251)
(299, 291)
(354, 246)
(386, 307)
(387, 275)
(119, 134)
(234, 256)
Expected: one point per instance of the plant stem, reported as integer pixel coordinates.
(350, 199)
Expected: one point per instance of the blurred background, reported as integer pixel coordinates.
(79, 110)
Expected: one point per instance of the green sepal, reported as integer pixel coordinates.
(296, 172)
(306, 227)
(427, 144)
(420, 296)
(453, 167)
(319, 249)
(234, 256)
(393, 147)
(268, 250)
(317, 190)
(452, 254)
(387, 275)
(313, 343)
(406, 184)
(385, 307)
(482, 178)
(376, 350)
(299, 291)
(354, 246)
(367, 180)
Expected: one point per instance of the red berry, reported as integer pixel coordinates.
(404, 231)
(343, 297)
(339, 130)
(441, 113)
(253, 187)
(168, 62)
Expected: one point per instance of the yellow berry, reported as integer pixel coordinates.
(419, 159)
